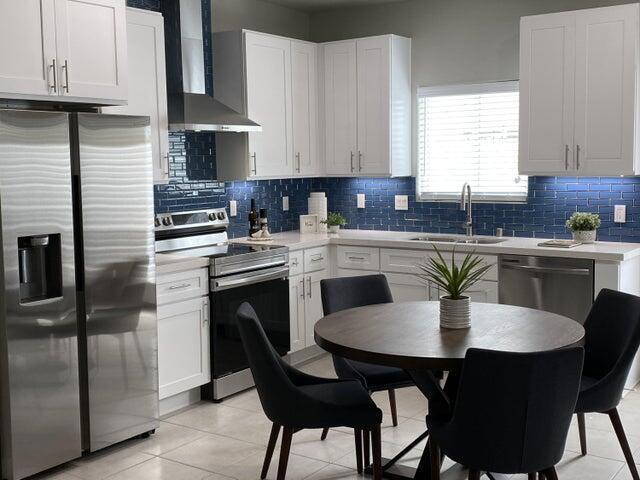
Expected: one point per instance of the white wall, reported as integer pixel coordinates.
(454, 41)
(260, 16)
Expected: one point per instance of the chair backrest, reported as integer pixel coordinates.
(273, 385)
(351, 292)
(612, 338)
(513, 410)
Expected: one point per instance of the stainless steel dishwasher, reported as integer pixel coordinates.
(558, 285)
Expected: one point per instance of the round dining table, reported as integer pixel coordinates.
(408, 335)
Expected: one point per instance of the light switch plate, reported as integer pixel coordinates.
(285, 204)
(620, 214)
(233, 208)
(402, 202)
(360, 197)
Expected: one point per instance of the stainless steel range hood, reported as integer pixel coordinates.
(190, 108)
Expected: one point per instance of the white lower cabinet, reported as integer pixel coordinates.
(482, 292)
(313, 310)
(407, 288)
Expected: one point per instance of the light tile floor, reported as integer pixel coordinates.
(227, 441)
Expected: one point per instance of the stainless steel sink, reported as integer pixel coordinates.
(472, 241)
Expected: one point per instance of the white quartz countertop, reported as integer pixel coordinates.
(171, 263)
(603, 251)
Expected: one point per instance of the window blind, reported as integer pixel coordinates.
(469, 133)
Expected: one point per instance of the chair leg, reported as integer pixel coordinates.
(325, 432)
(392, 404)
(367, 456)
(583, 433)
(550, 473)
(357, 433)
(273, 438)
(622, 438)
(532, 476)
(287, 434)
(376, 446)
(474, 475)
(434, 456)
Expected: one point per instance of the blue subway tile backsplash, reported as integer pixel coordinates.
(550, 202)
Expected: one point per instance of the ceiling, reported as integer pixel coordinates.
(315, 5)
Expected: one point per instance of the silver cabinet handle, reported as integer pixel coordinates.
(310, 293)
(205, 317)
(294, 263)
(65, 67)
(564, 271)
(303, 289)
(298, 159)
(577, 157)
(357, 258)
(566, 157)
(359, 161)
(255, 163)
(179, 287)
(317, 257)
(53, 67)
(166, 164)
(352, 167)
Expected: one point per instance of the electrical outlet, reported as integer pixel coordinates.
(620, 214)
(233, 208)
(360, 197)
(402, 202)
(285, 204)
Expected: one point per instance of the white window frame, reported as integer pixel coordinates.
(465, 89)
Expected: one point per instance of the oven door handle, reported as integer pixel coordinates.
(271, 274)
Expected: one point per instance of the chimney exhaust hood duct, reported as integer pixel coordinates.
(190, 108)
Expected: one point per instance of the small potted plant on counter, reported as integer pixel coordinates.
(334, 221)
(455, 279)
(583, 226)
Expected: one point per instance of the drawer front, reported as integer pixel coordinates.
(407, 261)
(316, 259)
(296, 263)
(359, 258)
(176, 287)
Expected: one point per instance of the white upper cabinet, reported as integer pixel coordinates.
(147, 83)
(578, 92)
(268, 92)
(64, 51)
(28, 52)
(341, 107)
(304, 60)
(368, 106)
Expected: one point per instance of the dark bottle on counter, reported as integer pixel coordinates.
(264, 222)
(254, 223)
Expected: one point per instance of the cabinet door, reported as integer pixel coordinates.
(313, 303)
(183, 346)
(547, 47)
(606, 62)
(482, 292)
(374, 103)
(341, 114)
(148, 83)
(296, 312)
(268, 71)
(304, 58)
(407, 288)
(92, 50)
(27, 36)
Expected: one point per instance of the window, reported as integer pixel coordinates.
(469, 133)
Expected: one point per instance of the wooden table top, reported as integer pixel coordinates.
(408, 334)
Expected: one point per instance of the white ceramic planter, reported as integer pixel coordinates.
(455, 313)
(585, 236)
(334, 229)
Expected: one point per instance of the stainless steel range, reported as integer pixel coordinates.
(258, 274)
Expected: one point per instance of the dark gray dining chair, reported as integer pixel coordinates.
(350, 292)
(611, 343)
(294, 400)
(511, 414)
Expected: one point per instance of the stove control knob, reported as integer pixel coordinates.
(157, 222)
(212, 217)
(221, 216)
(166, 221)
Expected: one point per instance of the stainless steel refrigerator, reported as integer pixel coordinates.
(78, 339)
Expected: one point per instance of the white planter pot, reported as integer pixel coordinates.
(455, 313)
(334, 229)
(585, 236)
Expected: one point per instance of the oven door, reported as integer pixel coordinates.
(268, 293)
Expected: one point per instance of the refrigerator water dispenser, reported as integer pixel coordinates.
(40, 266)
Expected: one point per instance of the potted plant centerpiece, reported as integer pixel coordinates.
(334, 221)
(583, 226)
(455, 279)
